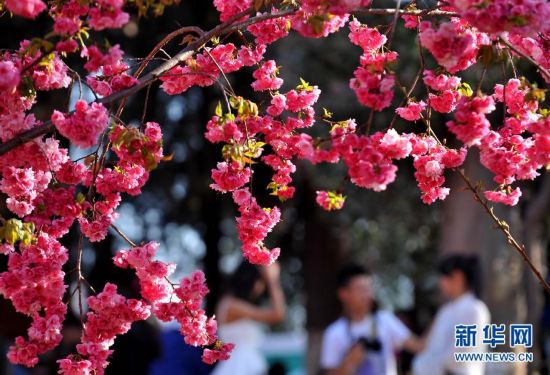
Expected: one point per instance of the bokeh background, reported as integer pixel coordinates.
(392, 232)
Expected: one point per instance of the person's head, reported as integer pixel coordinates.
(246, 283)
(458, 275)
(355, 290)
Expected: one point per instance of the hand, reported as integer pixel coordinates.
(271, 273)
(355, 356)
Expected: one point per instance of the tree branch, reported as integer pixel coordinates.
(224, 28)
(505, 228)
(543, 71)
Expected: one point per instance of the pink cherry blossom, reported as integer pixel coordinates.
(230, 176)
(26, 8)
(222, 353)
(523, 17)
(108, 14)
(110, 315)
(84, 126)
(372, 84)
(330, 200)
(440, 82)
(52, 76)
(412, 111)
(278, 105)
(253, 226)
(266, 77)
(314, 25)
(509, 198)
(471, 125)
(230, 8)
(454, 45)
(271, 30)
(444, 102)
(9, 76)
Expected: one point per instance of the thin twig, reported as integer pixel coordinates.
(543, 71)
(501, 224)
(394, 23)
(412, 12)
(124, 236)
(483, 72)
(79, 276)
(505, 228)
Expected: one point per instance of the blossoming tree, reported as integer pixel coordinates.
(47, 192)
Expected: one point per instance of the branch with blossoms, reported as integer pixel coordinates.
(48, 193)
(224, 28)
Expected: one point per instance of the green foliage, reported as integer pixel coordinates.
(15, 231)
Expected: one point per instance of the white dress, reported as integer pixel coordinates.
(246, 357)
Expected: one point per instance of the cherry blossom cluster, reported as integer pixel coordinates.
(536, 47)
(204, 69)
(330, 200)
(413, 110)
(270, 30)
(34, 284)
(111, 315)
(430, 162)
(114, 72)
(244, 137)
(454, 44)
(370, 159)
(526, 18)
(471, 125)
(511, 153)
(253, 226)
(372, 84)
(445, 87)
(183, 303)
(84, 126)
(47, 192)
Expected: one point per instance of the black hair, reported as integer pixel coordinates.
(241, 282)
(467, 264)
(348, 272)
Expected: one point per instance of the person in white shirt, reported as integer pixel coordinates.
(456, 283)
(364, 340)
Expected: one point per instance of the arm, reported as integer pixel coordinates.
(401, 336)
(438, 344)
(276, 295)
(350, 363)
(414, 344)
(417, 344)
(239, 309)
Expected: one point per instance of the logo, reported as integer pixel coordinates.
(493, 335)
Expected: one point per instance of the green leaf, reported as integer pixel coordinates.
(219, 111)
(536, 94)
(14, 231)
(465, 89)
(518, 20)
(80, 198)
(317, 23)
(304, 86)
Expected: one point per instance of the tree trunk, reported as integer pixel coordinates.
(535, 244)
(322, 256)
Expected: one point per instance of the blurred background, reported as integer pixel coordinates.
(391, 232)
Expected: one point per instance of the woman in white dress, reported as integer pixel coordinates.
(240, 317)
